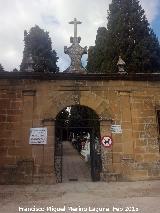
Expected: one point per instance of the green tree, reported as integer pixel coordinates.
(77, 118)
(82, 116)
(38, 44)
(15, 70)
(1, 68)
(129, 35)
(96, 54)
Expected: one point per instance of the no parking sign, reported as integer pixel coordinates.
(107, 141)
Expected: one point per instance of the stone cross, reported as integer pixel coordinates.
(75, 22)
(75, 51)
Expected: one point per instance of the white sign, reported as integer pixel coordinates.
(106, 141)
(116, 129)
(38, 136)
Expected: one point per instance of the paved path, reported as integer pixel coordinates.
(74, 167)
(141, 196)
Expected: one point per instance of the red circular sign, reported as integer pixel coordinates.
(107, 141)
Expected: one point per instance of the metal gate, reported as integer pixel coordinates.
(58, 158)
(95, 154)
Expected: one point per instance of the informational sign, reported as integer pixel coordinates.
(116, 129)
(106, 141)
(38, 136)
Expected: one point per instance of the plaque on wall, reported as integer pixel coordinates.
(117, 129)
(38, 136)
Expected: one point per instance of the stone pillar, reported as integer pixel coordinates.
(48, 152)
(106, 153)
(23, 150)
(27, 119)
(127, 139)
(126, 122)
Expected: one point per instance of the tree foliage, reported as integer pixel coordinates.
(81, 116)
(96, 54)
(39, 45)
(128, 34)
(78, 117)
(15, 70)
(1, 68)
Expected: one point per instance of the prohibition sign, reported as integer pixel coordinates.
(106, 141)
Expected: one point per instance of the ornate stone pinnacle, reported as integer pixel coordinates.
(75, 51)
(29, 63)
(121, 64)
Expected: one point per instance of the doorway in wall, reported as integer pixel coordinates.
(77, 154)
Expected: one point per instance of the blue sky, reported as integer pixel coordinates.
(156, 26)
(53, 16)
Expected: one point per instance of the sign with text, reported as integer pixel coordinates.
(38, 136)
(116, 129)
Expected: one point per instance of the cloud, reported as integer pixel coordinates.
(53, 16)
(151, 8)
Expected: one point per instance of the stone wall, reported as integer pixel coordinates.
(35, 103)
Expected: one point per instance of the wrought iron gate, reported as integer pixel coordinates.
(95, 156)
(58, 158)
(95, 153)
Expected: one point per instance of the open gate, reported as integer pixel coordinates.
(95, 153)
(58, 159)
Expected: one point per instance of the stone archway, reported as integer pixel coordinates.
(88, 99)
(83, 145)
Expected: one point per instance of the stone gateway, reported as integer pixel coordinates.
(124, 107)
(33, 100)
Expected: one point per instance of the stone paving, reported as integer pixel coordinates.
(74, 166)
(141, 197)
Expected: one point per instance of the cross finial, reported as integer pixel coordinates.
(75, 51)
(75, 22)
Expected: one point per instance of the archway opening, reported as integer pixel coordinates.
(77, 147)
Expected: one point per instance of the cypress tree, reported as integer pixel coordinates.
(96, 54)
(1, 68)
(39, 45)
(129, 35)
(15, 70)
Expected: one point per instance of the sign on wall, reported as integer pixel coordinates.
(38, 136)
(107, 141)
(116, 129)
